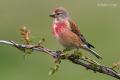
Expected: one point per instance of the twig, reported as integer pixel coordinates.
(71, 57)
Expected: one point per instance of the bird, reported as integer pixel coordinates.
(66, 31)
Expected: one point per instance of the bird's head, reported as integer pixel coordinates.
(60, 13)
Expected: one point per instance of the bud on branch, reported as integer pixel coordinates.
(60, 55)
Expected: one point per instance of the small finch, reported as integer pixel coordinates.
(68, 33)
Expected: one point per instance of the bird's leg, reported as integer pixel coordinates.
(66, 49)
(65, 54)
(77, 53)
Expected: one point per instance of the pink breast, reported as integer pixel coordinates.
(58, 28)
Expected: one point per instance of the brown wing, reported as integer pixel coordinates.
(76, 30)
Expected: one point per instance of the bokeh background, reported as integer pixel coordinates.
(99, 24)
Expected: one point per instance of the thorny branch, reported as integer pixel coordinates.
(75, 57)
(59, 55)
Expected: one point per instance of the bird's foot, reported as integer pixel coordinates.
(78, 53)
(66, 49)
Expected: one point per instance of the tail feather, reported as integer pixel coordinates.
(89, 45)
(93, 52)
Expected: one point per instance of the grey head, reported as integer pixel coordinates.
(60, 13)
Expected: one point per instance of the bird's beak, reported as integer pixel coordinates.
(52, 15)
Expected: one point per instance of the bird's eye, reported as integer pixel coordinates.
(59, 13)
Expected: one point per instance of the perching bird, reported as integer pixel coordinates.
(67, 32)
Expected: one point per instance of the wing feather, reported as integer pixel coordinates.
(76, 30)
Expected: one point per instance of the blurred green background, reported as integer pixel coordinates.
(100, 25)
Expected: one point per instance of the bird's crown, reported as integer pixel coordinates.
(60, 9)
